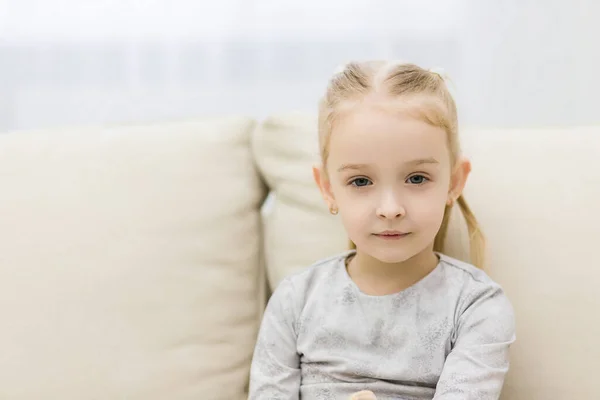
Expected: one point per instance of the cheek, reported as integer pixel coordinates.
(355, 210)
(337, 188)
(429, 208)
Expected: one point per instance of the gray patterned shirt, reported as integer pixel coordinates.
(446, 337)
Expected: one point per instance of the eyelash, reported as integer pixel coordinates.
(353, 181)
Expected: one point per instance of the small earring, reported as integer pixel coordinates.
(450, 202)
(333, 210)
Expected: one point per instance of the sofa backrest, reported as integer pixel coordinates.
(130, 256)
(129, 261)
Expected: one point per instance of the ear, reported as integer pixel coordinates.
(459, 177)
(324, 185)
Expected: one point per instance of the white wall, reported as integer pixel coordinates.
(103, 61)
(532, 62)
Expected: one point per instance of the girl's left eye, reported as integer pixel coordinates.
(417, 179)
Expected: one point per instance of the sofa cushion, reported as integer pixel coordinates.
(298, 228)
(536, 194)
(129, 261)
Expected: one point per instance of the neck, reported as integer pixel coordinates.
(374, 277)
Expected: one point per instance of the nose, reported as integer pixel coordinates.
(390, 207)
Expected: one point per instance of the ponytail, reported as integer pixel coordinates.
(476, 238)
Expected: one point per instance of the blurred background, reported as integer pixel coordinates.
(525, 63)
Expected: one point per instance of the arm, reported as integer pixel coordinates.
(478, 362)
(275, 371)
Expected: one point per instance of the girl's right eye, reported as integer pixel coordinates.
(360, 182)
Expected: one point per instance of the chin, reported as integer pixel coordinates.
(394, 252)
(391, 256)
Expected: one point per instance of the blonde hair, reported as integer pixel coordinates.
(432, 104)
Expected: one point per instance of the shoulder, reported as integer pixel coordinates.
(480, 297)
(300, 284)
(315, 278)
(469, 280)
(316, 272)
(465, 271)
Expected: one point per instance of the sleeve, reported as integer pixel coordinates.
(478, 362)
(275, 370)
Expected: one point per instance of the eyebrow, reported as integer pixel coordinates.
(345, 167)
(418, 161)
(421, 161)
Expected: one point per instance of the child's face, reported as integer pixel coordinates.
(388, 172)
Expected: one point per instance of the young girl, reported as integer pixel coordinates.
(394, 318)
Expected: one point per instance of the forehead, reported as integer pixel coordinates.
(374, 135)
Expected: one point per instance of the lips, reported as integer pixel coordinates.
(392, 234)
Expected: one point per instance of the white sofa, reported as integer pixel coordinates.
(135, 261)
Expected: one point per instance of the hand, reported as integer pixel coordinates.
(363, 395)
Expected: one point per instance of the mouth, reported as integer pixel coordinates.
(392, 235)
